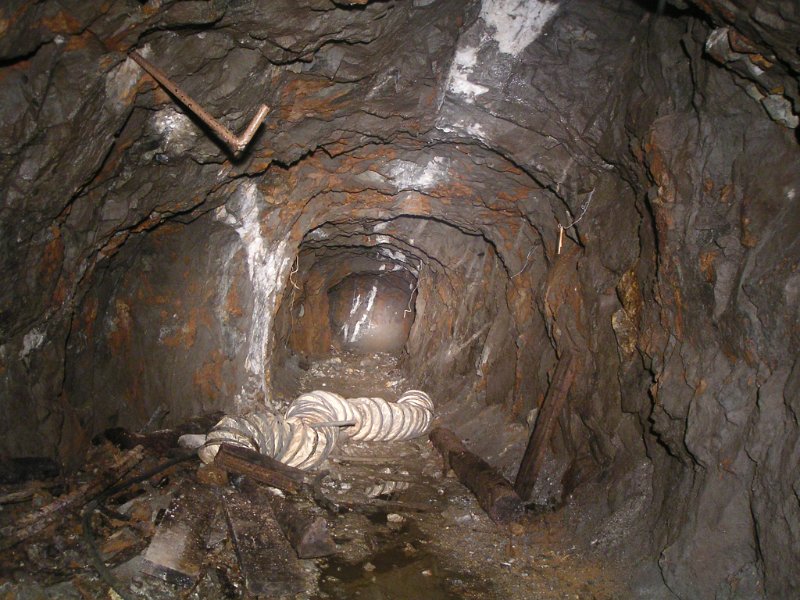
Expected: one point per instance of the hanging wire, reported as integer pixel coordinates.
(294, 288)
(294, 271)
(563, 228)
(527, 259)
(410, 298)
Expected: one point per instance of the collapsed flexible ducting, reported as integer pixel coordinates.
(381, 421)
(305, 436)
(302, 438)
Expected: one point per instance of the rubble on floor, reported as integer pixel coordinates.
(380, 520)
(174, 535)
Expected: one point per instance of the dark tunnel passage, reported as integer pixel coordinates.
(357, 297)
(419, 289)
(567, 232)
(371, 312)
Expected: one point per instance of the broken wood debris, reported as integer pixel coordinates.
(39, 520)
(367, 505)
(307, 533)
(261, 468)
(267, 561)
(319, 496)
(493, 492)
(373, 504)
(532, 460)
(122, 540)
(370, 460)
(95, 557)
(177, 550)
(163, 440)
(29, 490)
(236, 143)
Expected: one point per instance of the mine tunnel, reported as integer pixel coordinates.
(400, 299)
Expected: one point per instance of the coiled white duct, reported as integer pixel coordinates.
(382, 421)
(303, 438)
(312, 424)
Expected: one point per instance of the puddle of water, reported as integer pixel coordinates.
(402, 570)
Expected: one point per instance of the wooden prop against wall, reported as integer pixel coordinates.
(493, 492)
(551, 407)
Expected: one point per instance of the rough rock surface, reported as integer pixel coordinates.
(144, 266)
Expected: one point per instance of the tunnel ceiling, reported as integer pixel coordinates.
(616, 180)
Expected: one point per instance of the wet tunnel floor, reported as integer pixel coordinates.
(419, 534)
(402, 531)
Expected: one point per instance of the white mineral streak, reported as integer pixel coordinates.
(395, 255)
(476, 130)
(366, 314)
(458, 80)
(516, 23)
(121, 80)
(356, 304)
(512, 24)
(314, 423)
(33, 340)
(317, 234)
(353, 309)
(268, 266)
(175, 129)
(409, 175)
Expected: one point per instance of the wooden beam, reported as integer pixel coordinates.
(260, 467)
(307, 533)
(268, 563)
(494, 493)
(551, 408)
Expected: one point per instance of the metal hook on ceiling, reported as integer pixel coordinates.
(237, 144)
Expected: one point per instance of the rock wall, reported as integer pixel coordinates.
(723, 333)
(165, 329)
(575, 175)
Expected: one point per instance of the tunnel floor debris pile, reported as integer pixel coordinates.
(354, 375)
(484, 188)
(401, 529)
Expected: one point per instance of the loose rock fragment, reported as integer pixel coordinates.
(177, 550)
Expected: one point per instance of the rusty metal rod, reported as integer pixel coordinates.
(236, 143)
